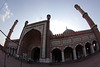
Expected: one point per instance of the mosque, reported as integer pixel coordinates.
(38, 42)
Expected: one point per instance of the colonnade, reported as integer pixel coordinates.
(86, 50)
(11, 51)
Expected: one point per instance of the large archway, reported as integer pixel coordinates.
(79, 51)
(35, 54)
(88, 48)
(30, 39)
(56, 55)
(68, 54)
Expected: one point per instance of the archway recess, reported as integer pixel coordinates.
(95, 46)
(35, 54)
(68, 53)
(79, 51)
(88, 48)
(31, 39)
(56, 55)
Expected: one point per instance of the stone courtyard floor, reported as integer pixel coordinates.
(91, 61)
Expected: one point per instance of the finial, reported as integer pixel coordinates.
(16, 21)
(77, 6)
(48, 17)
(26, 23)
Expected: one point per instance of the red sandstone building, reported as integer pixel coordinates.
(38, 43)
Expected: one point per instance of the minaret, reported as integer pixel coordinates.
(26, 23)
(48, 38)
(92, 25)
(10, 32)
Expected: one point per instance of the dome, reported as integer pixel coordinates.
(68, 31)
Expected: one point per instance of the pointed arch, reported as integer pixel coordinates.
(88, 48)
(95, 45)
(79, 51)
(68, 53)
(56, 55)
(31, 38)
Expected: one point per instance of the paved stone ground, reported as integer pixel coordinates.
(91, 61)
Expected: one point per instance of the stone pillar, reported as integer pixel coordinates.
(45, 48)
(50, 57)
(97, 46)
(63, 56)
(11, 51)
(18, 50)
(42, 48)
(74, 54)
(92, 49)
(14, 52)
(84, 51)
(8, 50)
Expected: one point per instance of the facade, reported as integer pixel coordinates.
(38, 43)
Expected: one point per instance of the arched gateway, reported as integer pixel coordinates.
(34, 41)
(30, 40)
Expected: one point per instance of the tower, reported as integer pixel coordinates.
(92, 25)
(10, 32)
(48, 38)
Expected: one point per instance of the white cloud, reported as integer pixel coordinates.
(7, 13)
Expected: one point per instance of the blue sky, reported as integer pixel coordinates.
(63, 14)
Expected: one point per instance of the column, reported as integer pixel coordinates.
(11, 51)
(14, 52)
(8, 50)
(92, 49)
(50, 57)
(97, 47)
(62, 56)
(84, 51)
(18, 50)
(74, 54)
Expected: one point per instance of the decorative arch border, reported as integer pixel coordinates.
(94, 40)
(25, 33)
(90, 42)
(66, 47)
(35, 47)
(79, 44)
(56, 48)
